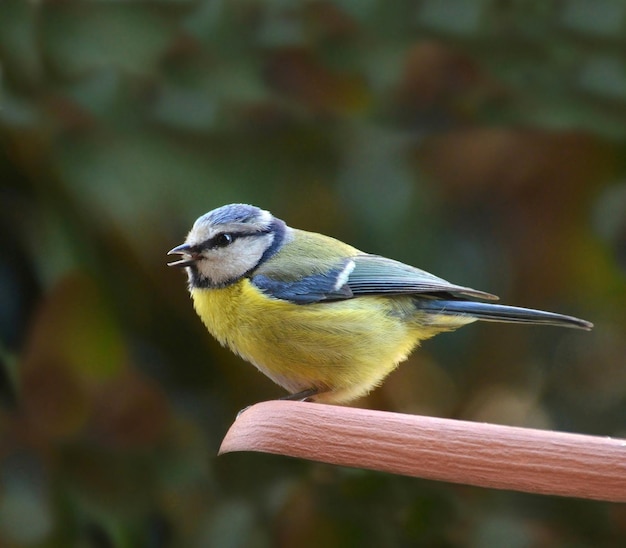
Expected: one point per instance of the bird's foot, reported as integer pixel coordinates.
(304, 395)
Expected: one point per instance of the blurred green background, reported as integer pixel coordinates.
(481, 140)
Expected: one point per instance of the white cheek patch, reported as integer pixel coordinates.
(226, 264)
(342, 279)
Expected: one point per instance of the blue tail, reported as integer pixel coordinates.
(501, 313)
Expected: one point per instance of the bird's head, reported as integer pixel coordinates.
(226, 244)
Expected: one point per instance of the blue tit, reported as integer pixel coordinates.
(319, 317)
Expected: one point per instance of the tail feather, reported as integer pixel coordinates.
(502, 313)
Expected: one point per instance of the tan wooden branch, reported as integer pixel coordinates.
(486, 455)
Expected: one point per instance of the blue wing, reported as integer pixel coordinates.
(362, 275)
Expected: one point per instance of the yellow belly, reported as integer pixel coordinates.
(342, 348)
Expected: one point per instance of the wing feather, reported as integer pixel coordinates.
(361, 275)
(326, 286)
(376, 275)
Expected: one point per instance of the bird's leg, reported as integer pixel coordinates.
(304, 395)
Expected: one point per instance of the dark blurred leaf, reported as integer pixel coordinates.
(131, 37)
(298, 75)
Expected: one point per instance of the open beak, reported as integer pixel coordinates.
(189, 256)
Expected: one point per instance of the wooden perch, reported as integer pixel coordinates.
(486, 455)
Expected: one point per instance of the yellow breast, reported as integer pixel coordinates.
(344, 348)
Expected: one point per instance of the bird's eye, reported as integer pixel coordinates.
(222, 240)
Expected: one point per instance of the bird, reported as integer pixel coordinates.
(320, 318)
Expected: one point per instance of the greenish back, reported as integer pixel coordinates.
(308, 253)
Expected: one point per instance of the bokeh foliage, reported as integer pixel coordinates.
(481, 140)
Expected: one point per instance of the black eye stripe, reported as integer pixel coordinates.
(217, 240)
